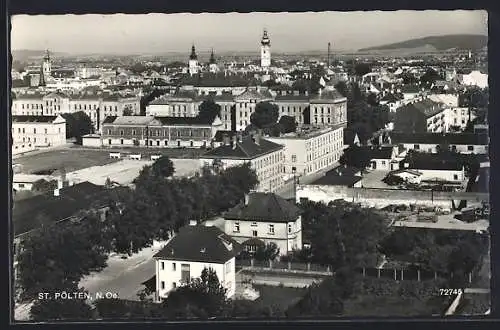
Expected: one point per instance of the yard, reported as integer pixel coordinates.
(281, 297)
(71, 159)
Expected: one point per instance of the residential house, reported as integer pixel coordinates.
(193, 249)
(435, 168)
(264, 156)
(421, 116)
(264, 218)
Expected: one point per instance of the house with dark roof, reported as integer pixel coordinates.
(193, 249)
(465, 143)
(264, 156)
(445, 168)
(421, 116)
(264, 218)
(338, 180)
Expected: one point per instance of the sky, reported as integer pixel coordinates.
(289, 32)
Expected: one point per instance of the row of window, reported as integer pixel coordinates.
(453, 147)
(270, 228)
(205, 133)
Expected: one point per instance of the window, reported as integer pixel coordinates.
(236, 227)
(174, 285)
(34, 130)
(162, 265)
(109, 141)
(470, 148)
(228, 267)
(21, 185)
(289, 228)
(416, 147)
(294, 158)
(121, 132)
(191, 143)
(166, 142)
(121, 141)
(254, 233)
(23, 131)
(455, 177)
(271, 229)
(185, 273)
(45, 131)
(178, 143)
(174, 268)
(163, 285)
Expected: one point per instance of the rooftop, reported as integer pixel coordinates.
(337, 180)
(33, 119)
(426, 106)
(425, 161)
(264, 207)
(439, 138)
(327, 96)
(245, 148)
(200, 244)
(306, 132)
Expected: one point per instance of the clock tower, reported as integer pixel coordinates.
(265, 51)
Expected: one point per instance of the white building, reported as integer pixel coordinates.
(264, 218)
(193, 249)
(436, 169)
(264, 156)
(42, 131)
(265, 51)
(475, 78)
(311, 150)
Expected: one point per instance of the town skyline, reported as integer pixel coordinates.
(113, 34)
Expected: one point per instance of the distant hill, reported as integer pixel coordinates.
(439, 43)
(28, 54)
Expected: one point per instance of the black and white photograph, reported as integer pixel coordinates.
(250, 166)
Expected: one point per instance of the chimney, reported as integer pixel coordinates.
(226, 139)
(193, 222)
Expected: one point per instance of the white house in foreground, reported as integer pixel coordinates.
(194, 248)
(264, 218)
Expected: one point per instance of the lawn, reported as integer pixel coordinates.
(71, 159)
(279, 296)
(386, 306)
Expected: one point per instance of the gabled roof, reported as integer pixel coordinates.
(267, 207)
(439, 138)
(424, 161)
(254, 94)
(344, 171)
(377, 152)
(200, 244)
(245, 149)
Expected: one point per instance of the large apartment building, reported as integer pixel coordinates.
(40, 131)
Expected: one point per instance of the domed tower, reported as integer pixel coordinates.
(212, 64)
(265, 51)
(47, 65)
(193, 61)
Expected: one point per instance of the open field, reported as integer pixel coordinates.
(126, 170)
(71, 159)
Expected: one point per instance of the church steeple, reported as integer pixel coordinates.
(47, 55)
(212, 57)
(265, 39)
(193, 55)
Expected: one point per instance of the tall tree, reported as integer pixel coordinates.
(163, 167)
(266, 114)
(288, 124)
(209, 110)
(78, 124)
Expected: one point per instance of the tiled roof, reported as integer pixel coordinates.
(33, 119)
(219, 135)
(109, 119)
(264, 207)
(185, 121)
(29, 96)
(200, 244)
(245, 149)
(291, 98)
(336, 180)
(427, 107)
(439, 138)
(327, 96)
(254, 94)
(133, 120)
(344, 171)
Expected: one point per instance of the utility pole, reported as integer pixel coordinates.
(328, 58)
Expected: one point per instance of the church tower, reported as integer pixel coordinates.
(265, 51)
(193, 62)
(47, 64)
(212, 64)
(41, 81)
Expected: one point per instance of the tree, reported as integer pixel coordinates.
(268, 252)
(266, 114)
(61, 309)
(127, 111)
(78, 124)
(202, 297)
(288, 124)
(356, 157)
(209, 110)
(163, 167)
(429, 77)
(361, 69)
